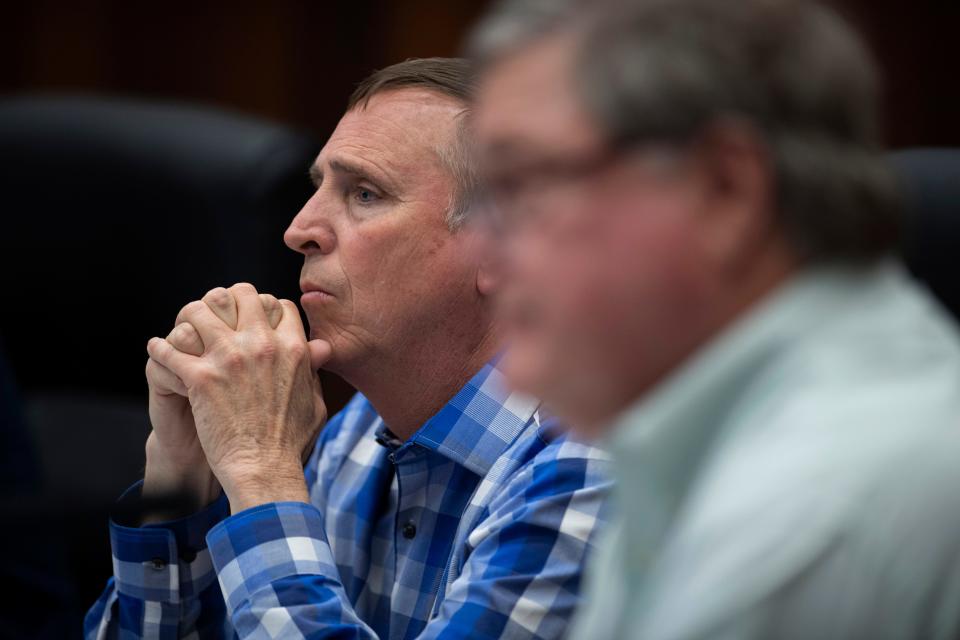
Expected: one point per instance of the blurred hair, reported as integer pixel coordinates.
(452, 77)
(668, 70)
(511, 24)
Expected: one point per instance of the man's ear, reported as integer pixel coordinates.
(488, 275)
(738, 189)
(486, 251)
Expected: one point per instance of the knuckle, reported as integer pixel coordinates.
(218, 297)
(264, 349)
(203, 377)
(296, 348)
(160, 349)
(244, 287)
(184, 337)
(153, 346)
(196, 305)
(269, 303)
(233, 359)
(201, 381)
(183, 331)
(190, 309)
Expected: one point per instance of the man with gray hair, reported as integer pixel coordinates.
(437, 503)
(698, 230)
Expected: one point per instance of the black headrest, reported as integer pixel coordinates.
(930, 179)
(116, 213)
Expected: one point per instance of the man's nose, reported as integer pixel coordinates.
(310, 231)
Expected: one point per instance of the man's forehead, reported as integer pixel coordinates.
(396, 126)
(408, 116)
(529, 95)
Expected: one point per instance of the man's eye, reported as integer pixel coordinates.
(365, 196)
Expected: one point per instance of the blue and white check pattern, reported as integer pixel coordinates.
(476, 527)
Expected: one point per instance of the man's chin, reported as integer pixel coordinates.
(563, 394)
(589, 428)
(520, 370)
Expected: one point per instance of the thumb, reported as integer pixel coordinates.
(320, 351)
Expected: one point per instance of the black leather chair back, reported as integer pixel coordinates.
(116, 213)
(930, 179)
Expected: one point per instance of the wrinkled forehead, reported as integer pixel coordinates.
(400, 129)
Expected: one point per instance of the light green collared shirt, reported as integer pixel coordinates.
(797, 478)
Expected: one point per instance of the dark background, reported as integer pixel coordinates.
(293, 62)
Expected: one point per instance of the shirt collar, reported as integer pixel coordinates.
(477, 425)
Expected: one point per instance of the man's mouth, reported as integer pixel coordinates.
(314, 294)
(315, 297)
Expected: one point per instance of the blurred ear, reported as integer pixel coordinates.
(737, 177)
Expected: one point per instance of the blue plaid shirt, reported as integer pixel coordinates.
(478, 526)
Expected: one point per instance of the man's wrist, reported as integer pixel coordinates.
(253, 485)
(190, 494)
(191, 483)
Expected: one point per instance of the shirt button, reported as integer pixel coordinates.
(158, 564)
(409, 530)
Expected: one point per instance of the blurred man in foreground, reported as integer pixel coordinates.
(436, 503)
(697, 229)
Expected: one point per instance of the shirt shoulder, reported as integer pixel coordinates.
(557, 493)
(551, 465)
(834, 461)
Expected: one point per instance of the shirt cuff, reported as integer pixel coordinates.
(164, 561)
(267, 543)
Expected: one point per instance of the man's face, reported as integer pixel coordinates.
(381, 268)
(600, 250)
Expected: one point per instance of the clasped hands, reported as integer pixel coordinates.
(235, 401)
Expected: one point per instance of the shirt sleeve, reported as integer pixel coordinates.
(163, 583)
(521, 578)
(278, 576)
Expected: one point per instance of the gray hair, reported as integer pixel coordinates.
(667, 70)
(459, 158)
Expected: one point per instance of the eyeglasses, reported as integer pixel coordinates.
(519, 195)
